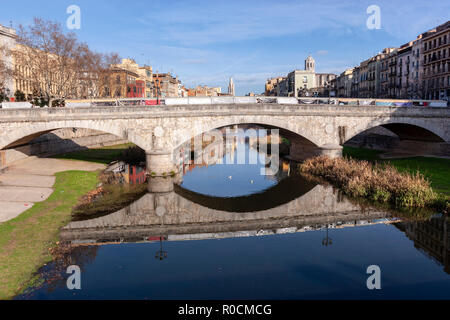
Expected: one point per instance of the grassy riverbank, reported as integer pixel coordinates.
(379, 183)
(26, 240)
(403, 183)
(436, 170)
(103, 155)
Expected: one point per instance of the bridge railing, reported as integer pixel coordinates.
(241, 100)
(261, 99)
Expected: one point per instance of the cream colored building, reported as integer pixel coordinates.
(7, 41)
(303, 82)
(145, 73)
(436, 62)
(204, 91)
(271, 84)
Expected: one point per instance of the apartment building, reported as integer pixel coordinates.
(354, 90)
(419, 69)
(122, 83)
(436, 62)
(300, 82)
(142, 85)
(404, 62)
(204, 91)
(416, 69)
(7, 42)
(165, 85)
(270, 87)
(364, 82)
(344, 83)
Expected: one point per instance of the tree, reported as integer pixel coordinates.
(19, 96)
(51, 60)
(5, 70)
(96, 75)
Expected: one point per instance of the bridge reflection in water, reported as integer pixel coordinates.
(180, 214)
(172, 211)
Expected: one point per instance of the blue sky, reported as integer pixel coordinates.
(206, 42)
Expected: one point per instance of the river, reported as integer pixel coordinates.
(224, 231)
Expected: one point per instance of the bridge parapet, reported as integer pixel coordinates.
(159, 130)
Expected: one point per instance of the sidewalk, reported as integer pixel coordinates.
(31, 180)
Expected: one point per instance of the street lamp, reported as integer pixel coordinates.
(327, 241)
(161, 254)
(158, 93)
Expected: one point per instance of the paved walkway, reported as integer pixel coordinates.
(31, 180)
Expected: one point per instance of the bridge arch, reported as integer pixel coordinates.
(292, 129)
(405, 129)
(267, 199)
(25, 133)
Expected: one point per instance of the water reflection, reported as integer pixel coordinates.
(431, 237)
(178, 217)
(322, 241)
(236, 173)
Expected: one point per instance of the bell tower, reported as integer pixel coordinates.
(310, 64)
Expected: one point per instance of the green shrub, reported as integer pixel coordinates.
(380, 183)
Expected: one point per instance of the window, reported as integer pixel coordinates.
(305, 79)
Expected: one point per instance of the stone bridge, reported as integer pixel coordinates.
(168, 213)
(313, 129)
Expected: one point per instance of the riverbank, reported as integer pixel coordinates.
(103, 155)
(436, 170)
(31, 180)
(381, 181)
(27, 240)
(30, 233)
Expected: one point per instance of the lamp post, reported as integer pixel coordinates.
(327, 241)
(161, 254)
(158, 93)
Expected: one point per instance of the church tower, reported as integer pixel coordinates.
(231, 91)
(310, 64)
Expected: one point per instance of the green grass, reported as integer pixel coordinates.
(436, 170)
(25, 241)
(361, 153)
(102, 155)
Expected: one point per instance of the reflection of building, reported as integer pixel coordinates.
(129, 174)
(432, 238)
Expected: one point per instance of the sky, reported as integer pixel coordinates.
(207, 42)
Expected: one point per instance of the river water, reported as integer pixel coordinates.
(224, 231)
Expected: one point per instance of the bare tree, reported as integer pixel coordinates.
(95, 80)
(49, 59)
(5, 69)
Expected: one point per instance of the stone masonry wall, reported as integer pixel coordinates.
(58, 142)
